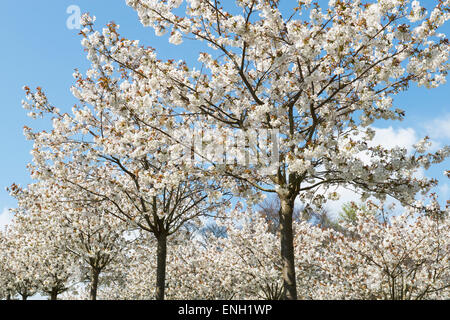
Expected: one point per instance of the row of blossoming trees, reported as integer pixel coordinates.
(157, 147)
(366, 257)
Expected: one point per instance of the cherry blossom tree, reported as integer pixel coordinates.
(88, 236)
(35, 260)
(42, 225)
(143, 194)
(5, 276)
(19, 266)
(102, 155)
(99, 241)
(53, 267)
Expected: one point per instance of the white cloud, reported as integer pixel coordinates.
(391, 138)
(5, 217)
(439, 128)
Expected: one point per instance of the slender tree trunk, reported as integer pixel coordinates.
(95, 273)
(24, 297)
(54, 294)
(287, 248)
(8, 296)
(161, 265)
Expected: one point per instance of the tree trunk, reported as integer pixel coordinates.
(287, 248)
(94, 283)
(8, 296)
(161, 266)
(54, 294)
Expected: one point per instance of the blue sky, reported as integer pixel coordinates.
(39, 50)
